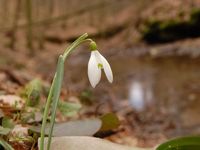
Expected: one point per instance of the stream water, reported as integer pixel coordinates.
(168, 85)
(162, 93)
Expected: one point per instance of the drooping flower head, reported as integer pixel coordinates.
(97, 63)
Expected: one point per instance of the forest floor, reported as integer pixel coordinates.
(117, 39)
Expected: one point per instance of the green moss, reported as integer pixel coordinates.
(150, 25)
(195, 12)
(195, 15)
(168, 30)
(168, 24)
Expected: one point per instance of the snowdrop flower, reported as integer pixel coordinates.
(95, 64)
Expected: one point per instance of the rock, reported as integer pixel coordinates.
(86, 143)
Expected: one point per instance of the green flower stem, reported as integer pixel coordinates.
(55, 90)
(72, 47)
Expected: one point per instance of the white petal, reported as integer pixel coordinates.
(106, 67)
(97, 56)
(94, 73)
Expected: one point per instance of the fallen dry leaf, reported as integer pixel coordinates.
(12, 101)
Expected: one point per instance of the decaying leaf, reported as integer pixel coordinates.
(86, 97)
(1, 113)
(73, 128)
(31, 115)
(20, 131)
(109, 121)
(27, 116)
(4, 131)
(11, 101)
(68, 108)
(8, 123)
(32, 92)
(86, 143)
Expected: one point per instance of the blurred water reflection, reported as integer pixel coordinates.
(136, 96)
(140, 95)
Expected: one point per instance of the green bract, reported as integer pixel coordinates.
(93, 46)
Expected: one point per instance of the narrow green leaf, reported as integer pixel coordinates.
(5, 144)
(56, 95)
(46, 111)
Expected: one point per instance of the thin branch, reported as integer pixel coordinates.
(59, 18)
